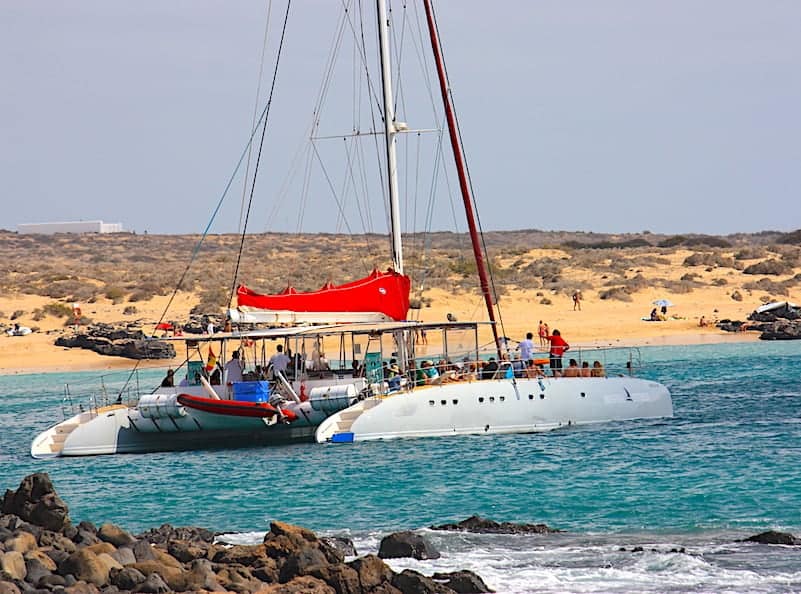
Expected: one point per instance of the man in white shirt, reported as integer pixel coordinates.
(279, 360)
(526, 347)
(233, 369)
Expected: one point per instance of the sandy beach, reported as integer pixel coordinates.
(600, 322)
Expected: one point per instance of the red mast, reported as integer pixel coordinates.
(460, 169)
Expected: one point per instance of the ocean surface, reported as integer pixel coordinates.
(686, 490)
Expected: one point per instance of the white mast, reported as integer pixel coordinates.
(390, 130)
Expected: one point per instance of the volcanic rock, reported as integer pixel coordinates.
(463, 582)
(482, 525)
(406, 544)
(115, 535)
(773, 537)
(412, 582)
(36, 501)
(372, 571)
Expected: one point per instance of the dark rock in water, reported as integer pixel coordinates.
(781, 330)
(342, 544)
(143, 551)
(485, 526)
(36, 501)
(166, 533)
(411, 582)
(773, 537)
(300, 561)
(464, 582)
(406, 544)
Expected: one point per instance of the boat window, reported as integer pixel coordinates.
(502, 398)
(531, 396)
(492, 398)
(455, 401)
(431, 403)
(481, 399)
(443, 402)
(542, 396)
(583, 394)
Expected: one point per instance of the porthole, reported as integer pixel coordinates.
(531, 396)
(481, 399)
(455, 401)
(583, 395)
(502, 398)
(443, 402)
(542, 396)
(431, 403)
(492, 398)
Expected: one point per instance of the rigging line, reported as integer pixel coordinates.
(470, 182)
(363, 54)
(258, 156)
(331, 187)
(255, 110)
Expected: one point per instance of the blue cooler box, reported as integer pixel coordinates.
(252, 391)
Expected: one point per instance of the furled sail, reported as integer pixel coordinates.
(381, 296)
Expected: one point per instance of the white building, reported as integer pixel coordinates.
(70, 227)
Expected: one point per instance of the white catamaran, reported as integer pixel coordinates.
(360, 369)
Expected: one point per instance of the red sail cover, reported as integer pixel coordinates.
(384, 292)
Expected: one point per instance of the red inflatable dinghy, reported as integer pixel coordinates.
(234, 408)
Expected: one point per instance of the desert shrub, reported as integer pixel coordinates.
(708, 259)
(636, 283)
(17, 314)
(766, 284)
(720, 282)
(672, 241)
(129, 310)
(2, 314)
(72, 289)
(793, 237)
(618, 293)
(545, 268)
(682, 287)
(114, 293)
(212, 301)
(737, 296)
(82, 321)
(545, 301)
(690, 276)
(57, 309)
(605, 245)
(708, 240)
(750, 253)
(775, 267)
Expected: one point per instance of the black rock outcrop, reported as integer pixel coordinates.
(115, 341)
(41, 551)
(485, 526)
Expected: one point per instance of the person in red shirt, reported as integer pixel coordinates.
(558, 348)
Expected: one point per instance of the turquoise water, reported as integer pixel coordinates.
(726, 466)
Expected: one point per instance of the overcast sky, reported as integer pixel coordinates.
(607, 116)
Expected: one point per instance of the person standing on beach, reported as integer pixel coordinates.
(576, 300)
(558, 348)
(543, 332)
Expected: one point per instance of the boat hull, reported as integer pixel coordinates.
(499, 406)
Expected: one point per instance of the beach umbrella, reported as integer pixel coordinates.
(663, 303)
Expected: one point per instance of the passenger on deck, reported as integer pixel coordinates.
(356, 369)
(279, 360)
(430, 372)
(233, 369)
(216, 377)
(490, 369)
(585, 369)
(598, 369)
(169, 379)
(558, 348)
(526, 347)
(572, 369)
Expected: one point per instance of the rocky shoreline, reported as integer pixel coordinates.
(780, 323)
(41, 551)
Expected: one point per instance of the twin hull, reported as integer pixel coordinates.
(499, 406)
(495, 406)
